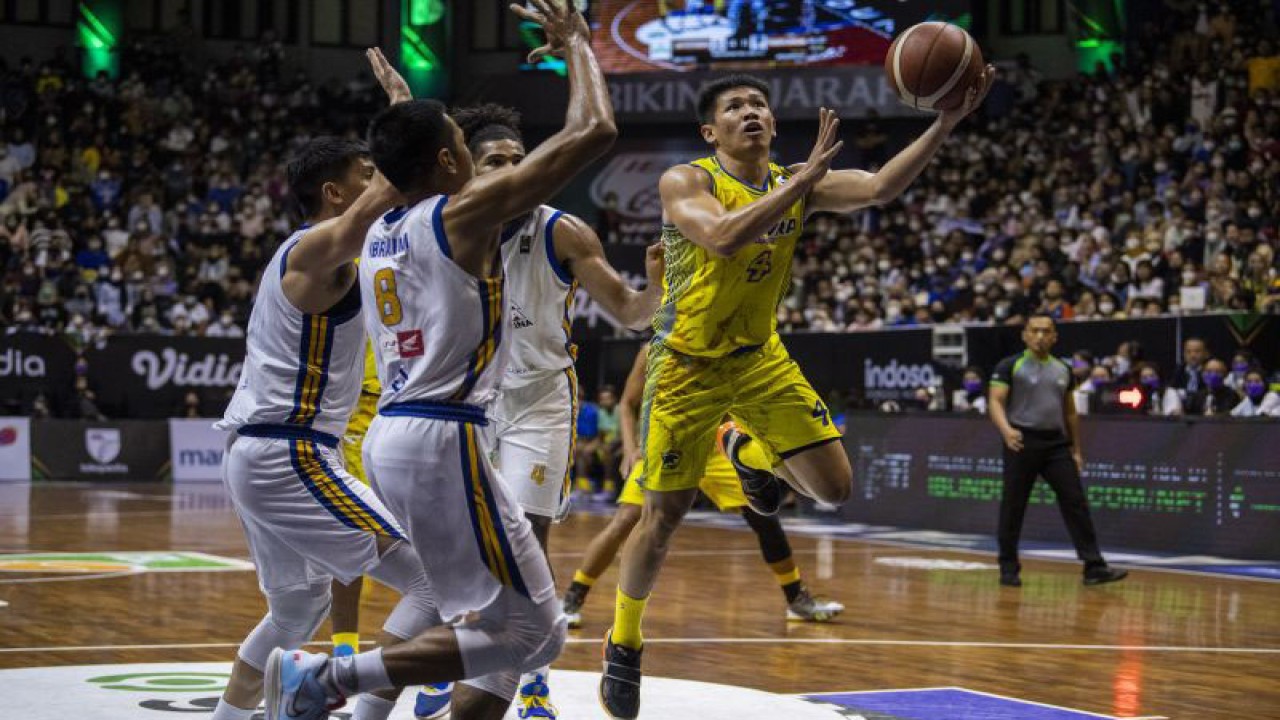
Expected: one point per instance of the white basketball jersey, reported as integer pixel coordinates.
(540, 293)
(438, 332)
(299, 369)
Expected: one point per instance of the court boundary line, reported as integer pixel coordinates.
(738, 641)
(1023, 701)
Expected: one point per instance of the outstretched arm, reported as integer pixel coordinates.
(579, 247)
(688, 203)
(848, 190)
(588, 133)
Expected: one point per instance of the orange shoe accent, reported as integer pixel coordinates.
(725, 427)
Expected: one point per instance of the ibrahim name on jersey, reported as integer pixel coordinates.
(712, 305)
(438, 332)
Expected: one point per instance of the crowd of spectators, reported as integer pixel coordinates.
(1149, 189)
(149, 203)
(1126, 382)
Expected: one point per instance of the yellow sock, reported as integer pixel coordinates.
(754, 454)
(583, 579)
(787, 578)
(349, 639)
(626, 621)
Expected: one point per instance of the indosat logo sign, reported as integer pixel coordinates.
(896, 381)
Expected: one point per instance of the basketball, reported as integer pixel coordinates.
(932, 65)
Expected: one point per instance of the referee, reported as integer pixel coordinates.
(1031, 404)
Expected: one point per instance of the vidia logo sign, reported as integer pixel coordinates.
(15, 363)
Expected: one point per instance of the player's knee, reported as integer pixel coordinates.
(542, 636)
(838, 490)
(291, 620)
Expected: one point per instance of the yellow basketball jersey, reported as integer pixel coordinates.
(711, 305)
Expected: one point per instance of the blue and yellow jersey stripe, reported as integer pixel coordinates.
(567, 486)
(486, 519)
(315, 350)
(491, 300)
(566, 323)
(332, 492)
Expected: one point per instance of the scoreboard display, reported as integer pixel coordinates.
(680, 35)
(1203, 487)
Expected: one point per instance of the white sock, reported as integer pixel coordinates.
(372, 707)
(544, 671)
(227, 711)
(360, 673)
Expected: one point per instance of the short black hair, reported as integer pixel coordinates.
(1042, 314)
(323, 159)
(487, 122)
(404, 140)
(712, 91)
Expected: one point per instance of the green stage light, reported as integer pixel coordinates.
(98, 30)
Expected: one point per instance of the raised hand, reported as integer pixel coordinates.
(825, 148)
(972, 98)
(559, 20)
(391, 81)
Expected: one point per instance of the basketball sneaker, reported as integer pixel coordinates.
(620, 682)
(574, 598)
(433, 701)
(534, 700)
(1103, 575)
(807, 608)
(763, 489)
(292, 689)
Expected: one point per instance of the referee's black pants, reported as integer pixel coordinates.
(1045, 454)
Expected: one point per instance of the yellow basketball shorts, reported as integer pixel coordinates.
(686, 398)
(719, 482)
(353, 438)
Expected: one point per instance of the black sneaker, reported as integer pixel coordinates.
(1010, 579)
(763, 489)
(574, 598)
(1104, 575)
(620, 683)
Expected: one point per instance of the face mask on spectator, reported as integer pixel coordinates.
(1106, 308)
(1161, 167)
(1151, 382)
(1255, 389)
(973, 387)
(1213, 379)
(1010, 287)
(1240, 368)
(1255, 212)
(1132, 243)
(1188, 278)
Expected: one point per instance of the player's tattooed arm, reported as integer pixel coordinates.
(688, 201)
(588, 133)
(844, 191)
(392, 82)
(331, 246)
(578, 246)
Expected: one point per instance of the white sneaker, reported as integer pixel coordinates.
(807, 608)
(291, 686)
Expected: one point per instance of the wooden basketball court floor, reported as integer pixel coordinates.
(1157, 645)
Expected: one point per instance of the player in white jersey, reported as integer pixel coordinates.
(432, 272)
(546, 256)
(306, 520)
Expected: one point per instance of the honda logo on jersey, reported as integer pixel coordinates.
(409, 343)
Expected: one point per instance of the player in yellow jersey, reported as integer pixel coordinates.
(730, 225)
(720, 484)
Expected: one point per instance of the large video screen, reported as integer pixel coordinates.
(682, 35)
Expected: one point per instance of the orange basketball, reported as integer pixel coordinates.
(932, 65)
